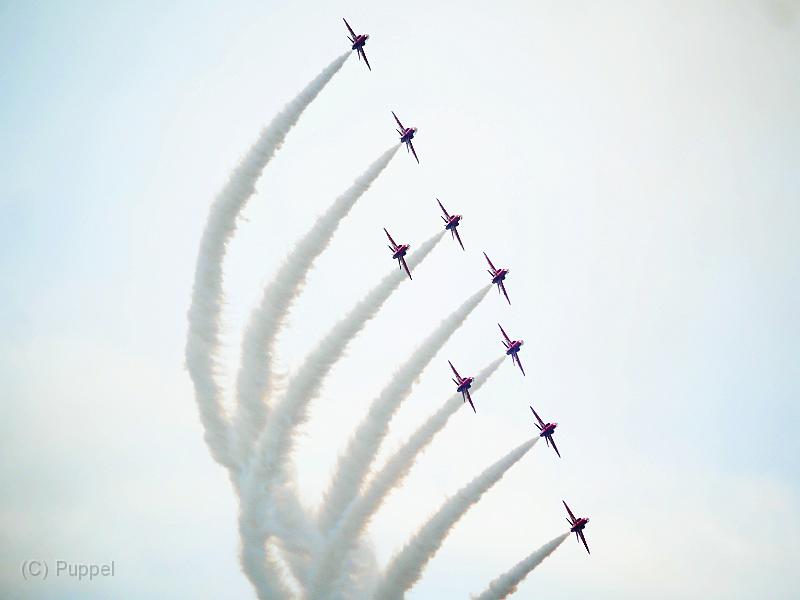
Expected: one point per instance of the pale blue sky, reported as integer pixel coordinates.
(638, 170)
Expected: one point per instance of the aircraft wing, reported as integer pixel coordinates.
(505, 293)
(552, 441)
(405, 266)
(519, 362)
(490, 262)
(538, 418)
(350, 29)
(583, 539)
(569, 511)
(364, 54)
(470, 402)
(398, 122)
(443, 209)
(505, 335)
(460, 379)
(458, 237)
(394, 244)
(414, 152)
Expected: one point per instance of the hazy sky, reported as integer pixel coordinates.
(637, 168)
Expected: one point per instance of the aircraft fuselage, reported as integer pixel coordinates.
(579, 525)
(453, 222)
(499, 275)
(401, 251)
(514, 347)
(408, 134)
(465, 384)
(548, 429)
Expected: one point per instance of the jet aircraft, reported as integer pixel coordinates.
(358, 42)
(406, 135)
(399, 253)
(463, 384)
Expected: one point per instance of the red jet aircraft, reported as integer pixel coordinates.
(399, 253)
(406, 135)
(498, 275)
(358, 42)
(512, 348)
(576, 526)
(546, 431)
(451, 223)
(463, 383)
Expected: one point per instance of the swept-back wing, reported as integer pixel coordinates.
(538, 418)
(405, 266)
(583, 539)
(519, 363)
(350, 29)
(414, 152)
(364, 54)
(569, 511)
(398, 122)
(505, 335)
(460, 379)
(443, 209)
(490, 262)
(552, 441)
(458, 237)
(469, 398)
(505, 293)
(394, 244)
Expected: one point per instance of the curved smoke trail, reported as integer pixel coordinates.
(274, 442)
(406, 567)
(204, 313)
(506, 584)
(354, 464)
(259, 567)
(253, 381)
(356, 518)
(304, 386)
(269, 469)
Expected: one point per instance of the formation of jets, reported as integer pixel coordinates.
(498, 276)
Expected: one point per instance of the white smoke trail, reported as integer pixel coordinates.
(274, 442)
(304, 386)
(257, 564)
(269, 470)
(253, 382)
(356, 518)
(354, 464)
(361, 573)
(204, 313)
(506, 584)
(405, 568)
